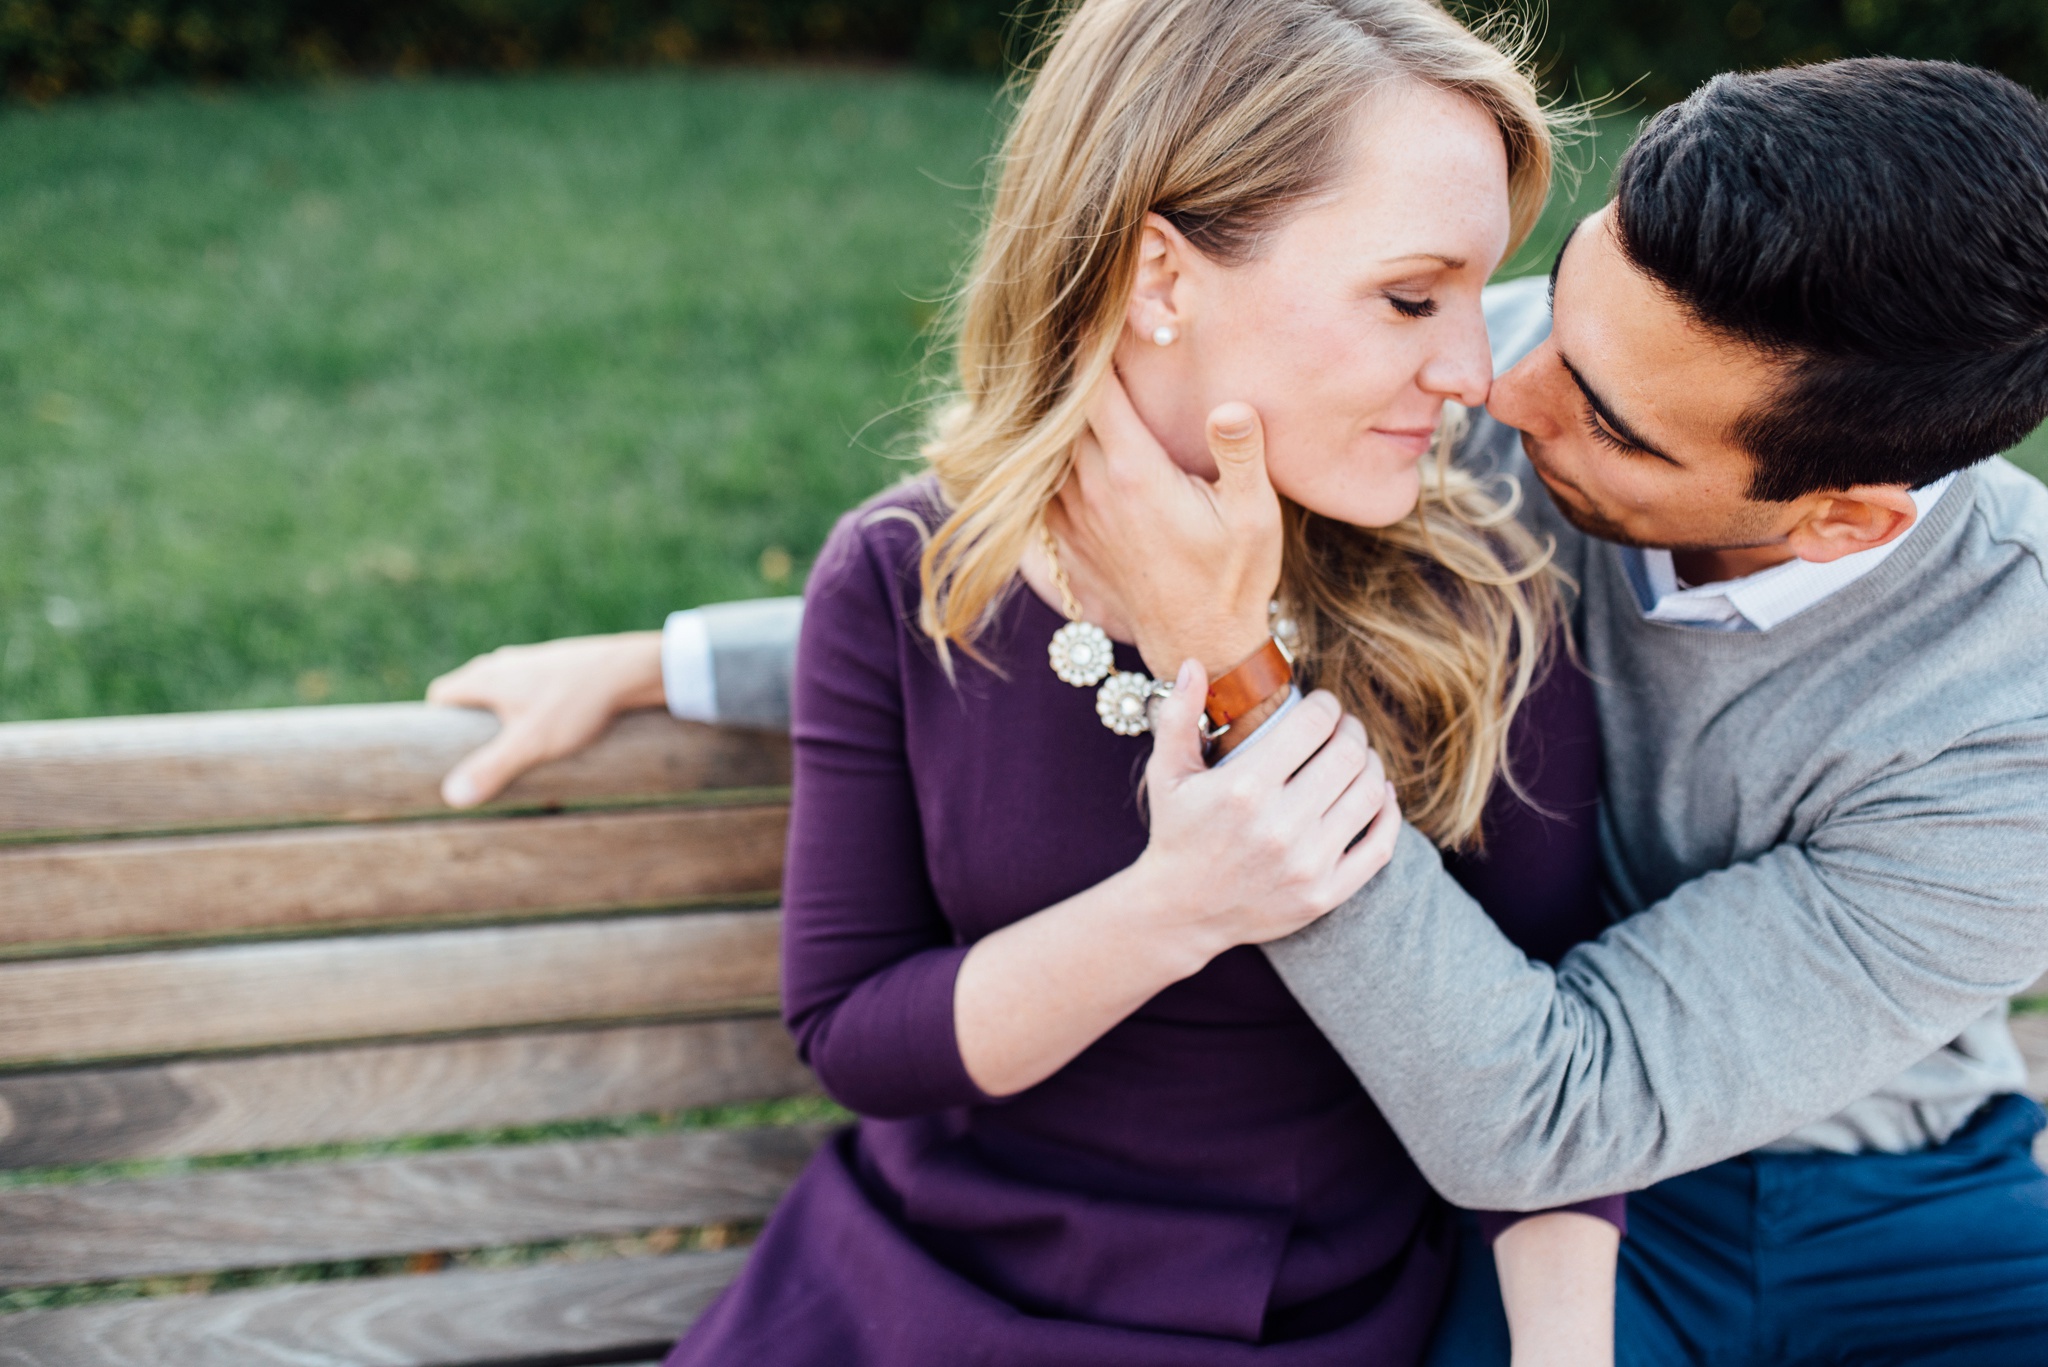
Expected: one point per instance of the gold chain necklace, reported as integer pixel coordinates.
(1082, 655)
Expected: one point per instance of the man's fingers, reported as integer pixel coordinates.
(1237, 440)
(1129, 450)
(487, 770)
(456, 688)
(1084, 486)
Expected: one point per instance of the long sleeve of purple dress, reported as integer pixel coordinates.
(868, 958)
(1207, 1183)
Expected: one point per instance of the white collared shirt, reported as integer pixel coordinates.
(1760, 601)
(686, 677)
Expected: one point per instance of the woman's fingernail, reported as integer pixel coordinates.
(1186, 678)
(459, 790)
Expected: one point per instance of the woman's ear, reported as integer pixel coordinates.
(1159, 308)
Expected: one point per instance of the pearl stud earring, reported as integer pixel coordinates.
(1164, 335)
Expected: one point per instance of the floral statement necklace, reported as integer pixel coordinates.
(1081, 655)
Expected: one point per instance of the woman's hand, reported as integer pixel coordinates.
(1255, 851)
(552, 699)
(1238, 855)
(1194, 563)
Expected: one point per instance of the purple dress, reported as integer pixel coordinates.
(1205, 1185)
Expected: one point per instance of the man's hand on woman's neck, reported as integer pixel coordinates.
(1193, 563)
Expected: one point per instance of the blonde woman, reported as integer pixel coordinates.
(1095, 1129)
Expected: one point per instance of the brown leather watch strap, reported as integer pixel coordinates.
(1244, 728)
(1250, 683)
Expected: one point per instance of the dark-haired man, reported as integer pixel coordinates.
(1817, 618)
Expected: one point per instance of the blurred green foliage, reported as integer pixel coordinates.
(51, 47)
(1658, 50)
(309, 395)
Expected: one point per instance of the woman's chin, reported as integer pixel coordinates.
(1380, 502)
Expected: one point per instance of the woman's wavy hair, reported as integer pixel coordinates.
(1221, 116)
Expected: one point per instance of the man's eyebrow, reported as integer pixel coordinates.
(1607, 415)
(1558, 260)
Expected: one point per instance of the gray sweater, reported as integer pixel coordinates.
(1827, 851)
(1827, 847)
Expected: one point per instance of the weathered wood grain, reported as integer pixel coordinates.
(274, 767)
(463, 1198)
(453, 1319)
(412, 871)
(240, 1104)
(386, 986)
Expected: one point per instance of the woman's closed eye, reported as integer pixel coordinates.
(1409, 306)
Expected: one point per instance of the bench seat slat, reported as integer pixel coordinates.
(452, 1319)
(384, 986)
(406, 872)
(239, 1104)
(300, 764)
(457, 1199)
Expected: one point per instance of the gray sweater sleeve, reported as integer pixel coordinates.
(1751, 1001)
(732, 662)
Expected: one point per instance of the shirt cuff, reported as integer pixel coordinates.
(686, 678)
(1293, 697)
(1612, 1209)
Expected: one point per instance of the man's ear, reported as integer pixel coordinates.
(1851, 520)
(1159, 291)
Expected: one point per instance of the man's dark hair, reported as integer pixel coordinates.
(1879, 225)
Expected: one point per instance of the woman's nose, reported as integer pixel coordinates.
(1461, 369)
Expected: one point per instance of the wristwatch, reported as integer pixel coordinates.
(1254, 688)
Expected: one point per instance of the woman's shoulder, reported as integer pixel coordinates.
(871, 557)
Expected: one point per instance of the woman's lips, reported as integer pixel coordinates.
(1414, 440)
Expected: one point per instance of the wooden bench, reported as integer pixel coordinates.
(247, 932)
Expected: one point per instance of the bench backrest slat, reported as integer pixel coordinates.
(368, 763)
(369, 986)
(573, 1312)
(367, 1208)
(116, 890)
(196, 1107)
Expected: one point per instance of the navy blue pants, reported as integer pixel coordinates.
(1938, 1257)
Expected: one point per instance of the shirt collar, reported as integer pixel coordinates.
(1760, 601)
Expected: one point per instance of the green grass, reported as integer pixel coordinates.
(308, 396)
